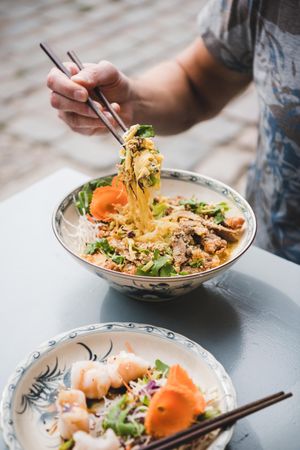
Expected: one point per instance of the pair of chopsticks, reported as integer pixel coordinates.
(221, 421)
(58, 63)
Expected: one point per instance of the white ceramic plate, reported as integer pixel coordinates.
(27, 407)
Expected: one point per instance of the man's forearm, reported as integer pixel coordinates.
(164, 98)
(175, 95)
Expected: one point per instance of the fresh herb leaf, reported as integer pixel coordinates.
(209, 414)
(83, 199)
(167, 270)
(183, 272)
(196, 263)
(153, 179)
(118, 259)
(102, 245)
(159, 266)
(219, 217)
(216, 211)
(161, 366)
(146, 400)
(145, 131)
(67, 445)
(190, 203)
(159, 210)
(106, 181)
(116, 419)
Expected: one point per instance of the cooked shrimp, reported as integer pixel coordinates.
(91, 377)
(73, 415)
(125, 367)
(108, 441)
(67, 397)
(72, 420)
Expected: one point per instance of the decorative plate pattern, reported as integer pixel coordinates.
(27, 406)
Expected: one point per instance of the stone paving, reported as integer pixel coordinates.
(134, 35)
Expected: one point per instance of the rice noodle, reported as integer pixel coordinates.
(141, 164)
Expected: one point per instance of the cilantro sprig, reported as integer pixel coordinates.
(145, 131)
(216, 211)
(159, 266)
(102, 245)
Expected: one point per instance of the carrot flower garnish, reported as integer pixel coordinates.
(175, 406)
(179, 377)
(104, 201)
(171, 410)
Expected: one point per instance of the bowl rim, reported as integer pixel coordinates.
(125, 276)
(9, 392)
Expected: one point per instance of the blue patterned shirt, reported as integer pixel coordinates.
(262, 38)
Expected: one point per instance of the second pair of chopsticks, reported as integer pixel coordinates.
(58, 63)
(221, 421)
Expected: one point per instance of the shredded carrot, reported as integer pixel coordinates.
(171, 410)
(104, 200)
(149, 373)
(179, 377)
(129, 347)
(126, 385)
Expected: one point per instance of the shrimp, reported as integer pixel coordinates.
(108, 441)
(70, 397)
(91, 377)
(125, 367)
(72, 413)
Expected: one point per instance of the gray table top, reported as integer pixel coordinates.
(249, 317)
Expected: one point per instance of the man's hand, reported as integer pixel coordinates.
(172, 96)
(69, 96)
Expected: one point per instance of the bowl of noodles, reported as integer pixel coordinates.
(154, 233)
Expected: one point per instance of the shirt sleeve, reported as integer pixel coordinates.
(227, 28)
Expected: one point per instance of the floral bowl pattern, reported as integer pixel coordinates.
(174, 183)
(27, 410)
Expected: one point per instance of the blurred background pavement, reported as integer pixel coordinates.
(134, 35)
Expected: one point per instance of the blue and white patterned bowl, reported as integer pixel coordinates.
(179, 182)
(27, 408)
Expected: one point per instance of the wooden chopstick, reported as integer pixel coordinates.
(72, 55)
(58, 63)
(221, 421)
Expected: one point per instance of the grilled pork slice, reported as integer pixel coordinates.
(231, 235)
(213, 244)
(179, 250)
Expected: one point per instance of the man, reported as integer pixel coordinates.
(241, 41)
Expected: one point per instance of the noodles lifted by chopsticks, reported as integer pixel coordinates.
(140, 172)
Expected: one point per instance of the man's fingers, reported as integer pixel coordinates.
(65, 104)
(102, 74)
(75, 121)
(89, 131)
(60, 83)
(72, 68)
(116, 107)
